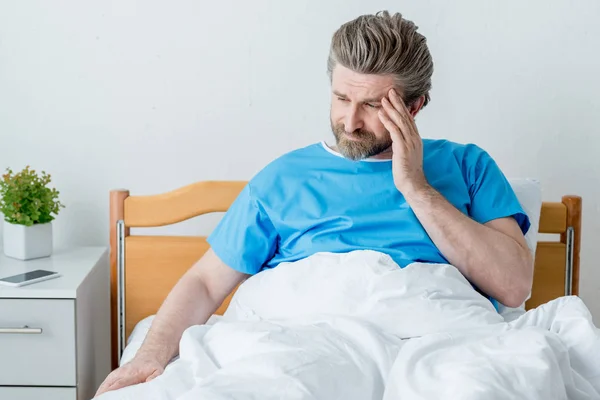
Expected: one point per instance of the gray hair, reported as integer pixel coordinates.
(384, 44)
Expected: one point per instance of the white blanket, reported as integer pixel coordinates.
(355, 326)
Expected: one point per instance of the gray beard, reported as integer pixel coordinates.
(367, 146)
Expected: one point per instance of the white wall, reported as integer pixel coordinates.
(151, 95)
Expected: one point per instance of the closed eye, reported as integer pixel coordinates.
(371, 105)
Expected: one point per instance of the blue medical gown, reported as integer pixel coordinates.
(314, 200)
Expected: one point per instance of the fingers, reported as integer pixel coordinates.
(399, 114)
(399, 105)
(403, 110)
(129, 375)
(394, 116)
(112, 385)
(392, 128)
(117, 382)
(153, 375)
(105, 385)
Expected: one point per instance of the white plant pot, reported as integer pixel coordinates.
(27, 242)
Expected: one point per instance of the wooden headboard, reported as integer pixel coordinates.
(144, 268)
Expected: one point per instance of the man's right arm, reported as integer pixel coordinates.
(194, 298)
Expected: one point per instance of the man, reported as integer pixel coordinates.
(381, 187)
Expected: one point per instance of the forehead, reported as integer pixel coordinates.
(354, 84)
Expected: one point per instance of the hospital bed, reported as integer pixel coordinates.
(144, 268)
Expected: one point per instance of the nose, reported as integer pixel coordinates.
(353, 121)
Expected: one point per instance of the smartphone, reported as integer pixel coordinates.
(28, 278)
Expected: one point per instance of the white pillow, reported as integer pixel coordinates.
(529, 194)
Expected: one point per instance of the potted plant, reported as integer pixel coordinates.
(29, 207)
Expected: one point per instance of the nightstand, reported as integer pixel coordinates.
(55, 334)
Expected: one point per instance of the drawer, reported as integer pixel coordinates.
(25, 393)
(43, 353)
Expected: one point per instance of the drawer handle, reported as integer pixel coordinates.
(23, 330)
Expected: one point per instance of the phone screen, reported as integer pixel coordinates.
(27, 276)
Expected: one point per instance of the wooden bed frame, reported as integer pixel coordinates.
(144, 268)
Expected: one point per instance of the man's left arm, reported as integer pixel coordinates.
(494, 256)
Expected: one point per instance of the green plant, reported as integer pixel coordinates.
(26, 199)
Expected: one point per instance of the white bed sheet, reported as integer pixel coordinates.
(355, 326)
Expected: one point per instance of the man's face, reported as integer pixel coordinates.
(356, 99)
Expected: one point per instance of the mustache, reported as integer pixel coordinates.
(359, 133)
(363, 144)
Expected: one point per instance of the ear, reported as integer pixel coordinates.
(416, 106)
